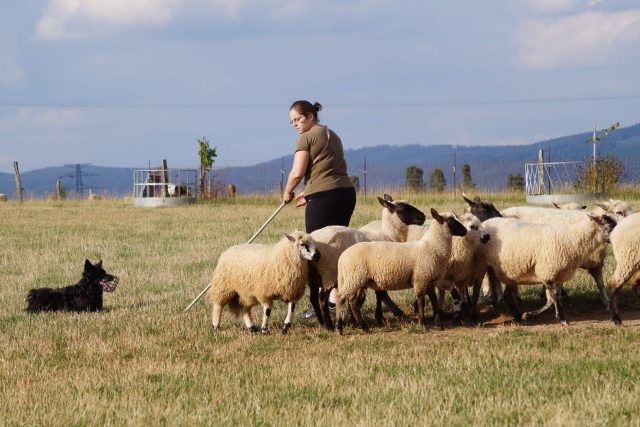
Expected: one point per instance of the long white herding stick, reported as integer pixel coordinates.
(250, 240)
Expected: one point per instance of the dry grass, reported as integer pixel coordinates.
(142, 361)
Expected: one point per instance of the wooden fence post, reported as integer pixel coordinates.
(18, 183)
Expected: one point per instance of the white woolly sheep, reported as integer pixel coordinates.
(3, 197)
(251, 274)
(594, 264)
(394, 266)
(332, 241)
(570, 206)
(624, 241)
(521, 252)
(617, 208)
(466, 267)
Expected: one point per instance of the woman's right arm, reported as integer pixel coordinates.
(299, 168)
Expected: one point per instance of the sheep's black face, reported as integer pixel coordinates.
(410, 214)
(483, 210)
(309, 251)
(456, 228)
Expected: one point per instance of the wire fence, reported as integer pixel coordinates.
(270, 178)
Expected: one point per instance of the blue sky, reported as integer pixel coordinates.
(128, 82)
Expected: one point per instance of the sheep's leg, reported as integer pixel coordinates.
(379, 316)
(353, 301)
(437, 313)
(248, 321)
(323, 299)
(596, 273)
(266, 313)
(457, 311)
(315, 284)
(556, 294)
(474, 302)
(420, 304)
(215, 316)
(613, 302)
(386, 299)
(495, 287)
(339, 312)
(287, 321)
(512, 303)
(465, 301)
(550, 301)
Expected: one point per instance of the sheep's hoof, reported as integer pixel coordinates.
(285, 328)
(265, 331)
(380, 320)
(329, 326)
(564, 323)
(214, 329)
(457, 320)
(253, 329)
(340, 326)
(365, 327)
(616, 319)
(474, 319)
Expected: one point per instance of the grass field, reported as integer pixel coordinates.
(144, 362)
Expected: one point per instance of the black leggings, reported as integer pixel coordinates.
(331, 207)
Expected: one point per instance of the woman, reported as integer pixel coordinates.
(329, 195)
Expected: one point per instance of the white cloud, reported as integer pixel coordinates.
(65, 19)
(551, 7)
(592, 38)
(30, 118)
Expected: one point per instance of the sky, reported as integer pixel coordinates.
(131, 82)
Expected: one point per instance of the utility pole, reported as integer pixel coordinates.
(454, 172)
(78, 176)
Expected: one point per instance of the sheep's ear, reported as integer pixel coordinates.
(556, 205)
(601, 206)
(469, 202)
(289, 237)
(477, 199)
(436, 216)
(388, 198)
(386, 204)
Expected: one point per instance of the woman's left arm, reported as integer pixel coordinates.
(299, 168)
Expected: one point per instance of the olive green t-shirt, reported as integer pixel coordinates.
(327, 168)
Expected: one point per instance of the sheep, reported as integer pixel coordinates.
(594, 264)
(249, 274)
(617, 208)
(465, 268)
(333, 240)
(624, 241)
(3, 197)
(530, 253)
(397, 265)
(231, 190)
(570, 206)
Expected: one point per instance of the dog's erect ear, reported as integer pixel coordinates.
(87, 264)
(99, 264)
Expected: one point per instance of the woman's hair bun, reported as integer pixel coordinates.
(317, 106)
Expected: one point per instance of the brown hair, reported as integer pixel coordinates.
(305, 108)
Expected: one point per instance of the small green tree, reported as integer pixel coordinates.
(437, 181)
(206, 155)
(467, 182)
(606, 172)
(515, 182)
(414, 178)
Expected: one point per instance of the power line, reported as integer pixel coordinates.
(269, 106)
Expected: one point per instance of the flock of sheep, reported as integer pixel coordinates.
(518, 246)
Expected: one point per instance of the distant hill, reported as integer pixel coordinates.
(385, 165)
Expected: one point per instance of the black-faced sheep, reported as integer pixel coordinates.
(521, 252)
(332, 241)
(394, 266)
(252, 274)
(625, 239)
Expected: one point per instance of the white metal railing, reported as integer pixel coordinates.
(165, 183)
(578, 177)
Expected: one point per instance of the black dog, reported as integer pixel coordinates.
(86, 295)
